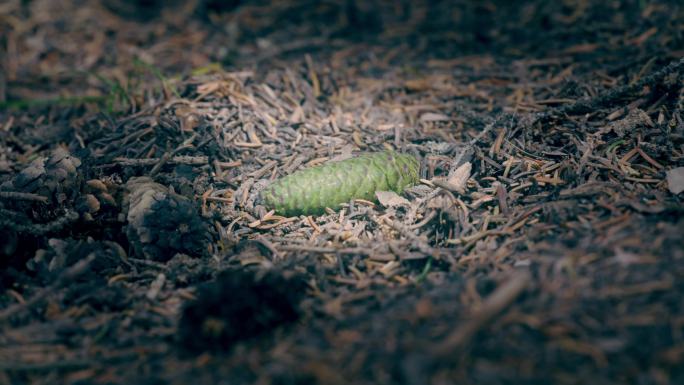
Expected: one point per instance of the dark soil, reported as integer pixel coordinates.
(543, 245)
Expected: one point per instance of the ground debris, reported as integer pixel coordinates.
(239, 305)
(162, 223)
(542, 243)
(675, 180)
(53, 177)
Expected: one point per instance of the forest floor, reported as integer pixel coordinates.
(543, 244)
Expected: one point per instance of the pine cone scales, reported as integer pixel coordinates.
(311, 190)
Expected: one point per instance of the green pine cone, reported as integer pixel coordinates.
(311, 190)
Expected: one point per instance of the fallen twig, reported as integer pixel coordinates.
(23, 196)
(503, 296)
(72, 272)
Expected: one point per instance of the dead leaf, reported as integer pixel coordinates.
(439, 202)
(675, 180)
(390, 199)
(460, 176)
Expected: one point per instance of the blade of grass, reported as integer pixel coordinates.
(158, 74)
(426, 270)
(116, 92)
(207, 69)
